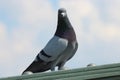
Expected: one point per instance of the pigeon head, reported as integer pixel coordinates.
(62, 12)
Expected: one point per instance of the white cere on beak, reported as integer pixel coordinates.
(63, 14)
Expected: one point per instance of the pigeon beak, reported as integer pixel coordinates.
(63, 14)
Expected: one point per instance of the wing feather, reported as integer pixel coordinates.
(54, 47)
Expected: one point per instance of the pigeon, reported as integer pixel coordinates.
(59, 49)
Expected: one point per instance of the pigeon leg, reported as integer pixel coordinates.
(55, 64)
(61, 66)
(53, 69)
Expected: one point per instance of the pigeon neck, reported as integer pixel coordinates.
(63, 25)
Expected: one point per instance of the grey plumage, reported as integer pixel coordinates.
(59, 49)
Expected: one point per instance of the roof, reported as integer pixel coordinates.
(103, 72)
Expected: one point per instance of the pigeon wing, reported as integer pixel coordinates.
(54, 48)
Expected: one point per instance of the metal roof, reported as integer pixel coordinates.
(103, 72)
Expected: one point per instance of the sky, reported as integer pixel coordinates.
(27, 25)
